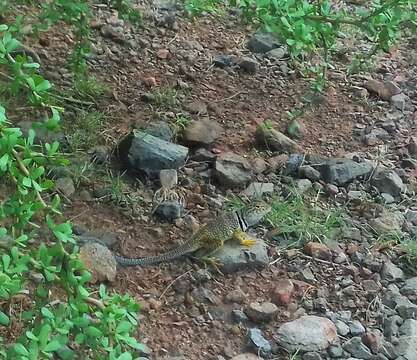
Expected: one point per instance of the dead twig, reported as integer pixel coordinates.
(172, 283)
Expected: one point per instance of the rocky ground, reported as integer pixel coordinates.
(332, 275)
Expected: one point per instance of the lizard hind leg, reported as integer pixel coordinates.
(243, 239)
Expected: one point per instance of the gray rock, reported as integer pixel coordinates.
(99, 261)
(249, 65)
(342, 171)
(274, 140)
(169, 210)
(263, 42)
(387, 222)
(406, 309)
(412, 146)
(410, 287)
(392, 326)
(356, 196)
(309, 172)
(258, 342)
(411, 215)
(204, 155)
(261, 312)
(257, 189)
(342, 328)
(409, 327)
(239, 316)
(388, 350)
(387, 198)
(384, 89)
(357, 348)
(400, 101)
(303, 185)
(202, 132)
(276, 54)
(232, 170)
(160, 129)
(308, 276)
(235, 257)
(148, 154)
(65, 185)
(246, 356)
(391, 272)
(168, 178)
(356, 328)
(335, 351)
(388, 181)
(312, 356)
(297, 334)
(407, 347)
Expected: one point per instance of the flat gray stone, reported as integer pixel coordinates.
(298, 334)
(261, 42)
(232, 170)
(235, 257)
(357, 348)
(391, 272)
(257, 341)
(149, 154)
(342, 171)
(388, 181)
(410, 287)
(409, 328)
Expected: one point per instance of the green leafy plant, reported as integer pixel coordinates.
(312, 29)
(181, 122)
(37, 243)
(165, 97)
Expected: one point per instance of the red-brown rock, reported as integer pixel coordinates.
(282, 292)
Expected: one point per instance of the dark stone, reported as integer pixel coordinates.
(263, 42)
(147, 154)
(342, 171)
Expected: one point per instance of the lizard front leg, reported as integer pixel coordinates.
(243, 239)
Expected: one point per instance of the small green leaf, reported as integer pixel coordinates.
(20, 349)
(93, 331)
(4, 161)
(80, 338)
(3, 27)
(30, 335)
(6, 261)
(27, 182)
(44, 334)
(52, 346)
(125, 356)
(4, 319)
(123, 327)
(47, 313)
(31, 65)
(43, 86)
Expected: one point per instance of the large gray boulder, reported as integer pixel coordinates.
(342, 171)
(145, 153)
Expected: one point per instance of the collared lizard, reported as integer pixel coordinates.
(210, 237)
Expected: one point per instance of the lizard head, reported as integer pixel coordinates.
(255, 212)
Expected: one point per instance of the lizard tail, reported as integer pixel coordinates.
(173, 254)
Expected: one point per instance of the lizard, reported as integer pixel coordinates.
(210, 237)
